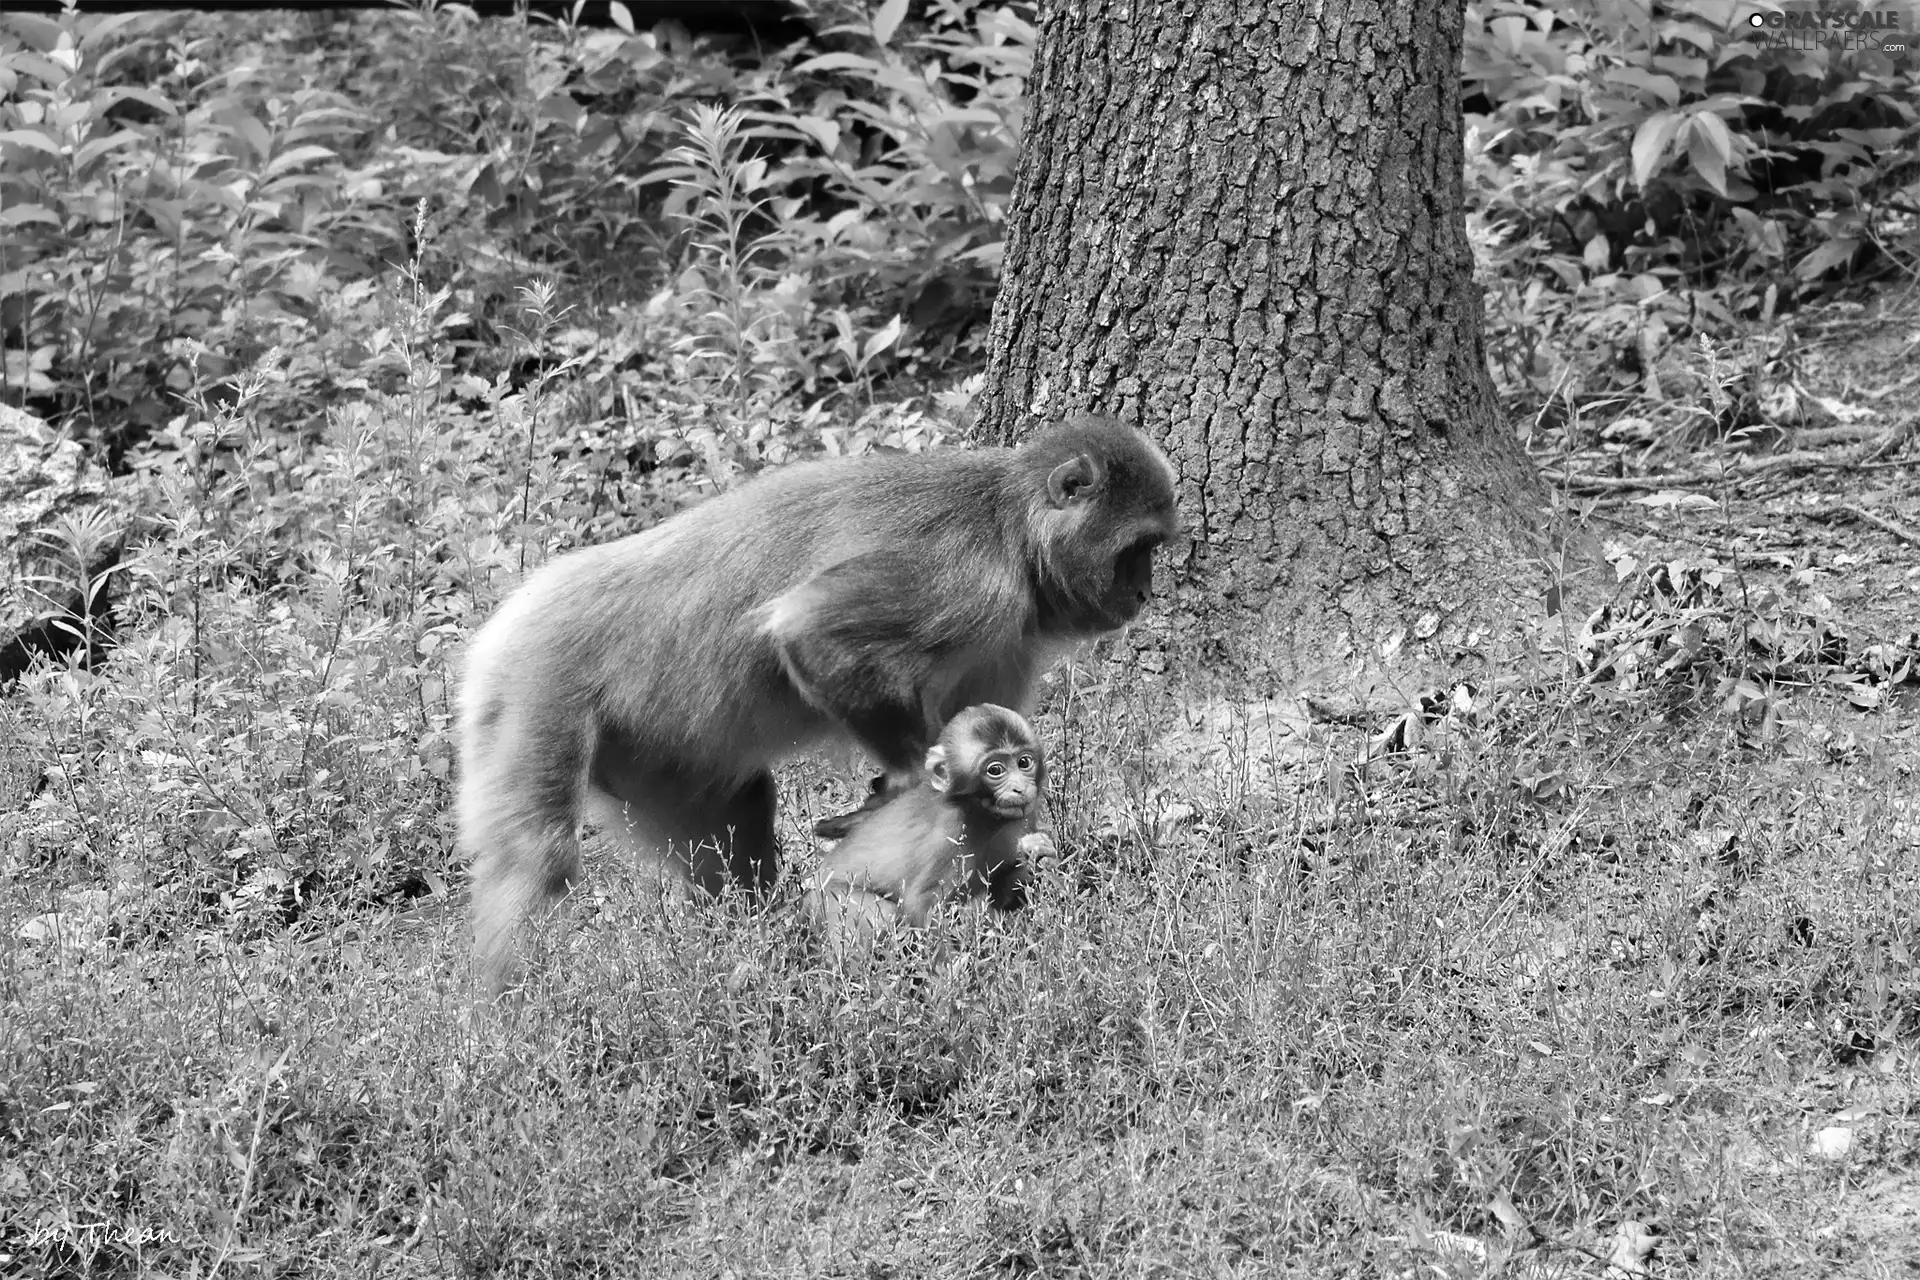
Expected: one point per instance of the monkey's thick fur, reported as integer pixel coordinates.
(953, 837)
(865, 599)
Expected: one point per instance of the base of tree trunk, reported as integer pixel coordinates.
(1477, 574)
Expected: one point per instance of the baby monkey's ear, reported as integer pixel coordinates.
(939, 775)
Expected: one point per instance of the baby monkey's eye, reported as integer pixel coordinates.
(1026, 764)
(996, 771)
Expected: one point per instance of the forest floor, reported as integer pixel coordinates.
(1562, 976)
(1814, 501)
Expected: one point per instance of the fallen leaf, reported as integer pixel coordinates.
(1832, 1142)
(1842, 410)
(1628, 1251)
(1503, 1209)
(1449, 1244)
(1675, 498)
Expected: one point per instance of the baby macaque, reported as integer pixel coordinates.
(956, 835)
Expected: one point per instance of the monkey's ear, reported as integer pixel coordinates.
(1076, 479)
(939, 776)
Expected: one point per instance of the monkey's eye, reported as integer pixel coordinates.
(1026, 764)
(996, 771)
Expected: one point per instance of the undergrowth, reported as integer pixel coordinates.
(183, 194)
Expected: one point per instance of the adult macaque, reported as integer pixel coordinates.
(860, 600)
(953, 837)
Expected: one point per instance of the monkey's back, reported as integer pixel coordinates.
(666, 629)
(911, 851)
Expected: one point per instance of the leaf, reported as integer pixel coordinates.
(880, 341)
(1691, 70)
(1650, 146)
(1598, 253)
(886, 19)
(1716, 133)
(248, 131)
(1503, 1209)
(842, 62)
(1707, 162)
(104, 27)
(822, 130)
(1719, 13)
(1832, 1142)
(30, 138)
(19, 214)
(97, 147)
(295, 157)
(109, 98)
(1632, 1245)
(621, 15)
(1863, 696)
(1674, 498)
(1834, 253)
(32, 64)
(1701, 38)
(1666, 88)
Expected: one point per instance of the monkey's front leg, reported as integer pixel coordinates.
(891, 783)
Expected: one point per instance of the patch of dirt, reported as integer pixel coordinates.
(1876, 1230)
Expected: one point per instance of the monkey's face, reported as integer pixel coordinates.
(1131, 585)
(987, 757)
(1008, 781)
(1111, 507)
(1114, 579)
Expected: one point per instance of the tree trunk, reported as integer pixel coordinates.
(1239, 225)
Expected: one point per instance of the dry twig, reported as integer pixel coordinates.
(1898, 530)
(1880, 446)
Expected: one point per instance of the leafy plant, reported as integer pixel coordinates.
(144, 224)
(1670, 162)
(907, 139)
(1644, 124)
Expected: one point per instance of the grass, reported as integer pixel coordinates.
(1273, 1019)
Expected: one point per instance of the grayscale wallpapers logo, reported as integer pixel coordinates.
(1812, 27)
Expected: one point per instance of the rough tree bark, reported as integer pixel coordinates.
(1239, 224)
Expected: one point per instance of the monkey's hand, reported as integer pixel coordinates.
(1038, 850)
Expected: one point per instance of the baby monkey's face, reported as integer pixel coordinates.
(1009, 779)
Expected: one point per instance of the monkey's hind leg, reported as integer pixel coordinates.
(514, 879)
(519, 815)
